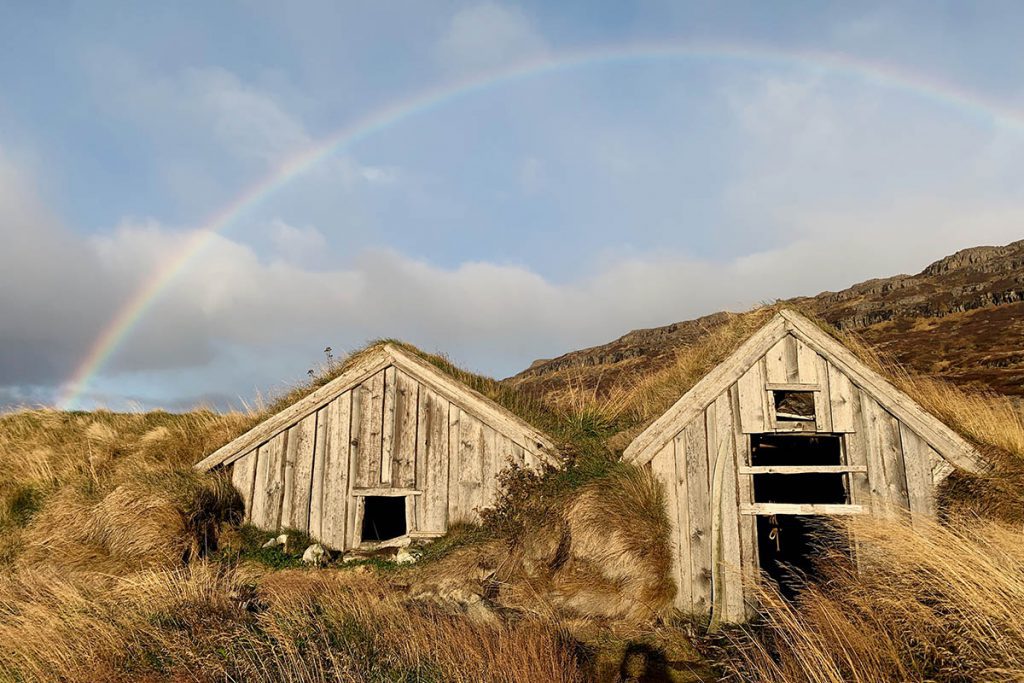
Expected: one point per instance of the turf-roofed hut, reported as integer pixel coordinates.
(790, 428)
(392, 448)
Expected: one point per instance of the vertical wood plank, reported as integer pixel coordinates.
(470, 474)
(368, 413)
(728, 567)
(745, 496)
(842, 397)
(781, 362)
(822, 399)
(432, 462)
(806, 363)
(686, 577)
(663, 467)
(357, 506)
(243, 477)
(855, 445)
(335, 458)
(387, 428)
(698, 497)
(752, 400)
(403, 442)
(492, 461)
(920, 492)
(269, 487)
(298, 474)
(316, 494)
(885, 458)
(455, 509)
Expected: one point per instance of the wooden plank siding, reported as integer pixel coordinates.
(243, 478)
(698, 494)
(298, 474)
(332, 479)
(663, 467)
(269, 485)
(917, 465)
(403, 440)
(432, 461)
(367, 424)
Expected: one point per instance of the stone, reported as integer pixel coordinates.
(281, 540)
(315, 554)
(403, 556)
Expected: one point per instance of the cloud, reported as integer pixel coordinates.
(297, 245)
(487, 36)
(52, 292)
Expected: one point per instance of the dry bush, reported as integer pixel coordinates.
(931, 603)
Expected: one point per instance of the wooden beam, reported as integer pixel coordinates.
(947, 442)
(694, 401)
(386, 491)
(791, 386)
(801, 509)
(364, 367)
(803, 469)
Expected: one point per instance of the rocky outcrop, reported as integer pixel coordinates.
(962, 317)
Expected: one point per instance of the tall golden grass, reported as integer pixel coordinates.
(205, 623)
(931, 602)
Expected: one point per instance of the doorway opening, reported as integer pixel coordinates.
(791, 546)
(383, 518)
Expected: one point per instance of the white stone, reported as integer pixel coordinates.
(315, 554)
(403, 556)
(280, 540)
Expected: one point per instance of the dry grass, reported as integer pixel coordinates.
(104, 528)
(204, 623)
(110, 492)
(932, 603)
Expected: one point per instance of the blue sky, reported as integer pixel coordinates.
(517, 221)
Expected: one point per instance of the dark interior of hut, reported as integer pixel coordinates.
(790, 546)
(383, 518)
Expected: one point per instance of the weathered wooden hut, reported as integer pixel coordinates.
(790, 428)
(392, 448)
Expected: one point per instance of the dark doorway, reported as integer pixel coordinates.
(791, 548)
(383, 518)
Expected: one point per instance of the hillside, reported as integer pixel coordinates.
(961, 319)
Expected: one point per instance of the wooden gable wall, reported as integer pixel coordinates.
(389, 434)
(706, 467)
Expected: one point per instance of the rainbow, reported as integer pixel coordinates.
(873, 73)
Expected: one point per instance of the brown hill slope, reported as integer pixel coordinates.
(961, 318)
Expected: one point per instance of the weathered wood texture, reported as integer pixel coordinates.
(388, 435)
(701, 451)
(243, 478)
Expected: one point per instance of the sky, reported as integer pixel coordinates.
(196, 199)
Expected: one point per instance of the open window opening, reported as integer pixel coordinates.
(781, 451)
(383, 518)
(794, 406)
(790, 546)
